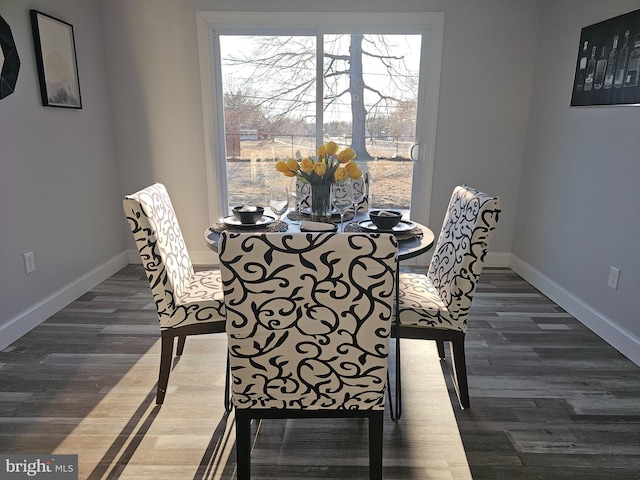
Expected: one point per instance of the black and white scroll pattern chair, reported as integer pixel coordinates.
(361, 185)
(188, 302)
(308, 324)
(303, 192)
(435, 306)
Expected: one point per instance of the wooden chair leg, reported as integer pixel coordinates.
(166, 355)
(376, 421)
(395, 405)
(460, 371)
(243, 445)
(440, 344)
(228, 406)
(180, 347)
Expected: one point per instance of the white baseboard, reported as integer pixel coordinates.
(619, 338)
(500, 260)
(200, 258)
(38, 313)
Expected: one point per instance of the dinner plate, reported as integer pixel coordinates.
(232, 221)
(318, 227)
(402, 226)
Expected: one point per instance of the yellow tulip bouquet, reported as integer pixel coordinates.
(330, 166)
(320, 173)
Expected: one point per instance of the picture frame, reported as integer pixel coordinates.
(608, 64)
(56, 60)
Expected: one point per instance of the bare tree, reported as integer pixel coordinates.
(241, 113)
(284, 69)
(402, 119)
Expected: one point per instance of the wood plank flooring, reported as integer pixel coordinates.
(549, 399)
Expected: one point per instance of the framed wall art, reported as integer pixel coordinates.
(9, 60)
(608, 65)
(56, 58)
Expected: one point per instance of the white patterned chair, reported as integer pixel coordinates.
(435, 306)
(360, 185)
(308, 324)
(188, 302)
(303, 191)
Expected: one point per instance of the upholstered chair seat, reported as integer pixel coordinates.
(421, 305)
(202, 300)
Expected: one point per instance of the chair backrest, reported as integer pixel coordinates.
(361, 185)
(308, 318)
(160, 244)
(303, 191)
(462, 246)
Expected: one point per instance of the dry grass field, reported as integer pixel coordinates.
(252, 172)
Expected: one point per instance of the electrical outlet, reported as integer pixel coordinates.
(29, 262)
(614, 277)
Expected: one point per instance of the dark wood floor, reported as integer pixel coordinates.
(549, 399)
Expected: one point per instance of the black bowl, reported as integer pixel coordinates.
(248, 214)
(385, 219)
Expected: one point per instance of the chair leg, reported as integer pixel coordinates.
(376, 421)
(440, 344)
(243, 445)
(395, 415)
(166, 356)
(180, 347)
(460, 371)
(398, 381)
(227, 387)
(395, 408)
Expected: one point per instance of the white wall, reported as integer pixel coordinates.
(59, 187)
(579, 197)
(155, 84)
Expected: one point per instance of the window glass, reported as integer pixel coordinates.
(369, 95)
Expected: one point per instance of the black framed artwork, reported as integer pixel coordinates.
(56, 58)
(608, 65)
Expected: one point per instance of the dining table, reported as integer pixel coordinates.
(414, 239)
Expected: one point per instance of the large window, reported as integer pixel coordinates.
(269, 109)
(370, 83)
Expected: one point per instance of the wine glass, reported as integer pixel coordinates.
(342, 199)
(278, 200)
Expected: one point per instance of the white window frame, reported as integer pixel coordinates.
(430, 25)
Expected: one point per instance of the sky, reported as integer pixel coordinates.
(376, 75)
